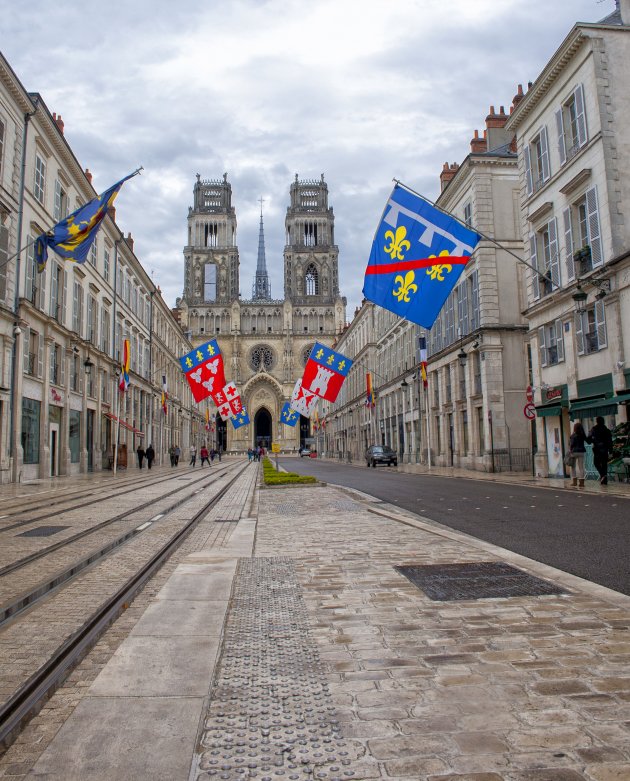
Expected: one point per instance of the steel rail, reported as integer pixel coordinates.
(42, 683)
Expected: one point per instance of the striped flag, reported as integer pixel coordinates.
(164, 394)
(123, 383)
(422, 343)
(370, 400)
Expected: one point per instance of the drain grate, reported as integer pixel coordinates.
(286, 508)
(43, 531)
(271, 713)
(481, 580)
(346, 505)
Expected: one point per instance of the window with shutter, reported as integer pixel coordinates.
(26, 347)
(568, 244)
(554, 260)
(579, 332)
(542, 347)
(600, 325)
(529, 180)
(561, 145)
(4, 252)
(582, 135)
(533, 261)
(595, 240)
(475, 319)
(559, 340)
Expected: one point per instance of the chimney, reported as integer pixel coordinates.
(518, 97)
(129, 241)
(448, 172)
(478, 145)
(624, 8)
(58, 121)
(495, 124)
(88, 175)
(112, 213)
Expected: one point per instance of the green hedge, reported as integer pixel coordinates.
(271, 477)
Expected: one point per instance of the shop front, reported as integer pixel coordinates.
(554, 412)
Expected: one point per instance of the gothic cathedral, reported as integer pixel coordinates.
(265, 341)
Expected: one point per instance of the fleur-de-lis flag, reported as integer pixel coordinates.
(417, 256)
(204, 370)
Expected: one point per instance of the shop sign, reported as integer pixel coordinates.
(553, 393)
(56, 396)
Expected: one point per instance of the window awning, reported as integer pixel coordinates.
(623, 396)
(549, 410)
(124, 424)
(591, 408)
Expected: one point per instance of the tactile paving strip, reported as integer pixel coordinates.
(271, 715)
(479, 580)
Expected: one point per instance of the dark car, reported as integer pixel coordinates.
(381, 454)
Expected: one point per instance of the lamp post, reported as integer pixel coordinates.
(117, 372)
(403, 386)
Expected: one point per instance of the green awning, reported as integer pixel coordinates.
(623, 396)
(549, 410)
(591, 408)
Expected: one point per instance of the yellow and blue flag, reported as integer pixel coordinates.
(417, 256)
(289, 416)
(242, 419)
(74, 235)
(123, 382)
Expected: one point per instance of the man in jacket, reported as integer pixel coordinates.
(601, 439)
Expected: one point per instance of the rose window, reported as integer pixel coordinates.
(261, 357)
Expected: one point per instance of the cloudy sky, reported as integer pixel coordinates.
(362, 91)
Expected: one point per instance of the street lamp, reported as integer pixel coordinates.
(87, 365)
(580, 299)
(461, 355)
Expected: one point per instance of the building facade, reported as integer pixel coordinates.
(62, 330)
(573, 136)
(265, 341)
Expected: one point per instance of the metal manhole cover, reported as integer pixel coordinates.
(346, 505)
(287, 508)
(43, 531)
(480, 580)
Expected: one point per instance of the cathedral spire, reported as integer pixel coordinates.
(261, 290)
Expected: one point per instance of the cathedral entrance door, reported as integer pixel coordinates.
(305, 430)
(262, 428)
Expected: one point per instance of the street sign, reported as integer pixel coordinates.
(529, 394)
(529, 411)
(275, 447)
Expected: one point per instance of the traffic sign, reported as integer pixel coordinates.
(275, 447)
(529, 394)
(529, 411)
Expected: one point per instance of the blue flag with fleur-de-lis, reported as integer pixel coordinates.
(417, 256)
(289, 416)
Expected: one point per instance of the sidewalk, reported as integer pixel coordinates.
(332, 664)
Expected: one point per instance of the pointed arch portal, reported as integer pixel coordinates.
(262, 428)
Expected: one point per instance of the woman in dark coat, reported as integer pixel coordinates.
(577, 448)
(150, 455)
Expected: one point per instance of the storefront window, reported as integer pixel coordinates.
(31, 410)
(75, 435)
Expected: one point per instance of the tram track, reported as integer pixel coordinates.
(27, 699)
(134, 486)
(27, 597)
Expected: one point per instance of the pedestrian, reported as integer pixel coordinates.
(204, 454)
(575, 456)
(601, 438)
(193, 455)
(213, 453)
(140, 453)
(219, 453)
(150, 455)
(178, 453)
(249, 454)
(171, 454)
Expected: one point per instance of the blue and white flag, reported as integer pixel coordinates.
(417, 256)
(289, 416)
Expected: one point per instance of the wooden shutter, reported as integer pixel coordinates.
(579, 332)
(465, 313)
(57, 205)
(41, 296)
(26, 346)
(30, 270)
(64, 297)
(592, 210)
(559, 340)
(600, 324)
(544, 154)
(542, 347)
(474, 300)
(562, 151)
(528, 170)
(568, 243)
(40, 355)
(534, 262)
(553, 252)
(580, 115)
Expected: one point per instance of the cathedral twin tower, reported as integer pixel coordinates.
(264, 341)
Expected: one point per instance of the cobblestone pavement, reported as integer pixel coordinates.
(517, 689)
(334, 666)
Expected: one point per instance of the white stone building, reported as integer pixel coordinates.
(62, 330)
(573, 135)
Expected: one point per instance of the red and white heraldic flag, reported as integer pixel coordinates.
(325, 372)
(204, 370)
(228, 401)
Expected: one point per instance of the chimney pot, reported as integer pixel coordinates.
(129, 241)
(448, 172)
(88, 175)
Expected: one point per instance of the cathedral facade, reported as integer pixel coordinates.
(265, 341)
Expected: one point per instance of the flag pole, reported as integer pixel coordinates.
(476, 230)
(117, 427)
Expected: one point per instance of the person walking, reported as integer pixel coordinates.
(150, 455)
(601, 438)
(193, 455)
(205, 456)
(171, 454)
(140, 453)
(178, 453)
(577, 451)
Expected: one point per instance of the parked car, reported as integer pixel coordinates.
(381, 454)
(304, 451)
